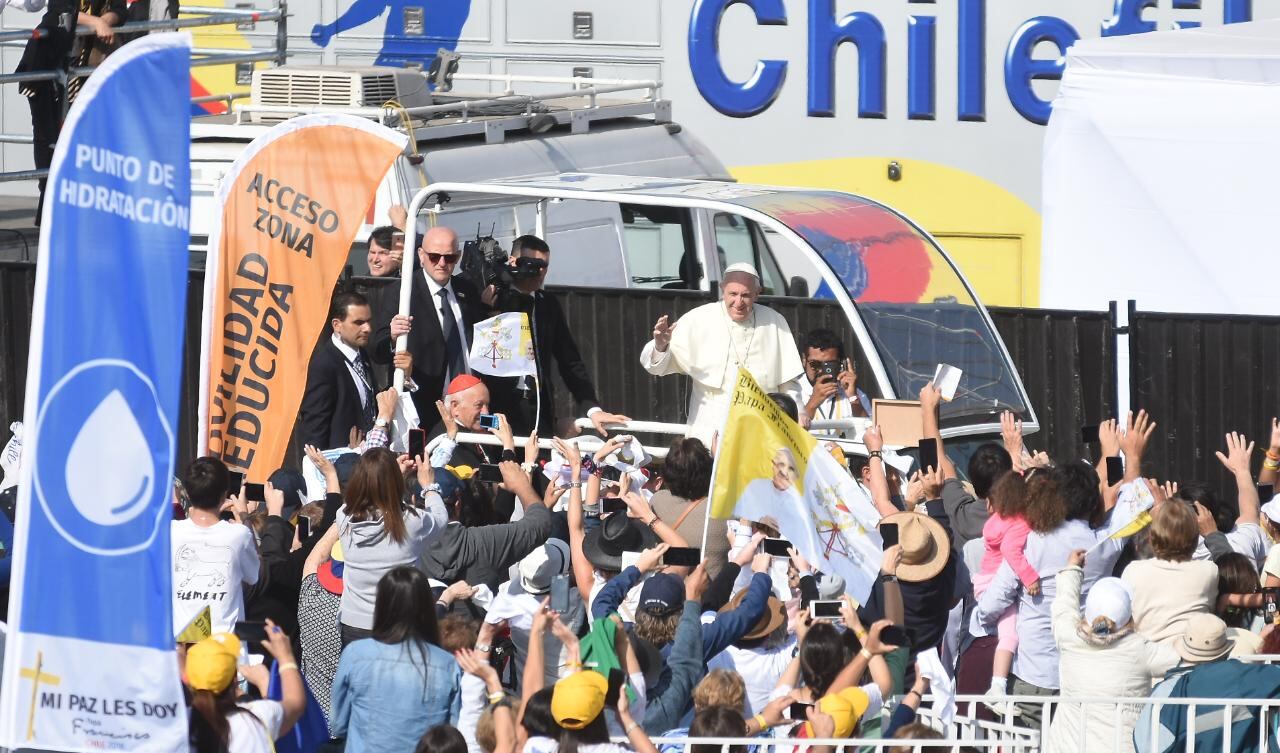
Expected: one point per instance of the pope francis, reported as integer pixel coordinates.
(710, 342)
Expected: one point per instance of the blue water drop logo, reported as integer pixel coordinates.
(110, 472)
(102, 449)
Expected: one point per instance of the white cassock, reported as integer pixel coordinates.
(709, 347)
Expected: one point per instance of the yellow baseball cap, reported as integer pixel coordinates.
(578, 699)
(845, 708)
(211, 663)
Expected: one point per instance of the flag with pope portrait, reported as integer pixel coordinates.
(769, 470)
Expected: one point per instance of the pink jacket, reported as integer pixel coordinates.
(1004, 540)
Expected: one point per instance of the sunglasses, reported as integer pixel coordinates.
(442, 258)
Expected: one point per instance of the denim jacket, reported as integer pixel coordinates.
(667, 701)
(384, 701)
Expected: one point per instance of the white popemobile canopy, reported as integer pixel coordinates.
(1161, 163)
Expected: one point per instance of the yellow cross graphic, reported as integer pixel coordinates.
(37, 677)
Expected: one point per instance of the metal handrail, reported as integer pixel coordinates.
(229, 97)
(584, 442)
(465, 107)
(579, 83)
(591, 92)
(223, 17)
(200, 57)
(649, 427)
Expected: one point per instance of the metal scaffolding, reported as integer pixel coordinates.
(188, 17)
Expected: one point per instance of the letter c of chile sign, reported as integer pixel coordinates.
(739, 100)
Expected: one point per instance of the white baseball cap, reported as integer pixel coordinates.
(542, 564)
(1109, 598)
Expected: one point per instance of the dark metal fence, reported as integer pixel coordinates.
(1067, 363)
(1200, 376)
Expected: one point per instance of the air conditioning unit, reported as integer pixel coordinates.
(336, 88)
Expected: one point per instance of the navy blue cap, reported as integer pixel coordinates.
(450, 485)
(344, 465)
(662, 594)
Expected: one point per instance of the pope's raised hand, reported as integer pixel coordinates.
(662, 333)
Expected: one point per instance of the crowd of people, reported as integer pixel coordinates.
(418, 604)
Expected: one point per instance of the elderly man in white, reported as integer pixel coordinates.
(712, 341)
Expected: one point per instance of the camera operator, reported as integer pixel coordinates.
(831, 390)
(521, 290)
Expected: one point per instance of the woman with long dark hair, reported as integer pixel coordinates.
(381, 527)
(220, 722)
(394, 686)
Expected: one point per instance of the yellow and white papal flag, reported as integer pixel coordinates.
(769, 470)
(503, 346)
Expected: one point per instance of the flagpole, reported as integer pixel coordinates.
(716, 440)
(537, 387)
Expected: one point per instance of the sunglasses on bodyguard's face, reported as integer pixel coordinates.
(442, 258)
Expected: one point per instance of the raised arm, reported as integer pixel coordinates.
(877, 666)
(1271, 464)
(891, 591)
(930, 402)
(519, 483)
(613, 593)
(731, 625)
(790, 677)
(640, 509)
(1137, 432)
(294, 693)
(477, 665)
(535, 670)
(806, 584)
(1239, 452)
(1108, 443)
(583, 573)
(1066, 604)
(879, 482)
(656, 356)
(320, 552)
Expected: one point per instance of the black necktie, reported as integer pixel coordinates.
(454, 357)
(367, 408)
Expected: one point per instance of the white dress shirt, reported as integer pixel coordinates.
(435, 289)
(835, 407)
(350, 354)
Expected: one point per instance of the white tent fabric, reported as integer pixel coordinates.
(1161, 166)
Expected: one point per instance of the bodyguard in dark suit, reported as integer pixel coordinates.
(552, 341)
(342, 386)
(442, 311)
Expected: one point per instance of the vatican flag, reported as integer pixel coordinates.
(769, 470)
(503, 346)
